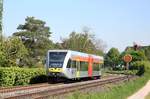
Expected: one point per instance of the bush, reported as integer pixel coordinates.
(135, 68)
(126, 72)
(7, 76)
(21, 76)
(141, 66)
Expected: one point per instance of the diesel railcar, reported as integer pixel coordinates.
(70, 64)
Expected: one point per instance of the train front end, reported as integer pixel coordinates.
(55, 62)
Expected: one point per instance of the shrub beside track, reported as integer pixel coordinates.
(21, 76)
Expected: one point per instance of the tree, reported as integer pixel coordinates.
(82, 42)
(147, 53)
(12, 51)
(35, 36)
(100, 46)
(112, 58)
(137, 55)
(2, 55)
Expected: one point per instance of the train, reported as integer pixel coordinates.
(72, 65)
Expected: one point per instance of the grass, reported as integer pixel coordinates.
(125, 72)
(121, 91)
(148, 96)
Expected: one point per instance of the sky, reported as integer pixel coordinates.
(118, 23)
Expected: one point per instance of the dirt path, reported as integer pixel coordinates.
(142, 92)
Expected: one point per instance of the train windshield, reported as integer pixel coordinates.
(56, 59)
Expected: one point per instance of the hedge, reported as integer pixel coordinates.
(135, 68)
(125, 72)
(141, 66)
(21, 76)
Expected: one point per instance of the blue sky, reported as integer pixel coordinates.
(119, 23)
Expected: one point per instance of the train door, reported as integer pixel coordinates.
(74, 68)
(78, 69)
(100, 69)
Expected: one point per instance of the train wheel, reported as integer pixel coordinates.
(98, 77)
(52, 80)
(95, 77)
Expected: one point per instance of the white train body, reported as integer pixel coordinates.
(72, 64)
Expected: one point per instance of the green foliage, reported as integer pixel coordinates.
(112, 58)
(29, 45)
(7, 76)
(12, 49)
(35, 36)
(142, 49)
(147, 53)
(125, 72)
(138, 55)
(82, 42)
(33, 28)
(21, 76)
(2, 55)
(27, 76)
(141, 66)
(122, 91)
(136, 68)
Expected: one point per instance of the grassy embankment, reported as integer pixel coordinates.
(148, 96)
(121, 91)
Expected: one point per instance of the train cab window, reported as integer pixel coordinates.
(73, 64)
(56, 59)
(69, 63)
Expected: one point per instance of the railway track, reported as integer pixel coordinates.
(33, 86)
(47, 91)
(16, 88)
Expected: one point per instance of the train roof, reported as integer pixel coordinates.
(57, 50)
(77, 53)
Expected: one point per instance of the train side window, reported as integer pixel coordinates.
(84, 66)
(73, 64)
(96, 66)
(69, 63)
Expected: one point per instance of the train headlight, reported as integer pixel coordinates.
(55, 69)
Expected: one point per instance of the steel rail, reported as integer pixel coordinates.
(16, 88)
(26, 87)
(69, 88)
